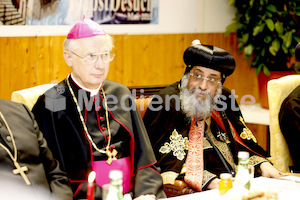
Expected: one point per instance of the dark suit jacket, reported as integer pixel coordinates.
(289, 116)
(33, 152)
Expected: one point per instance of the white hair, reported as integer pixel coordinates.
(194, 106)
(68, 44)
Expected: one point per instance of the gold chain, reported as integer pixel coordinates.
(111, 155)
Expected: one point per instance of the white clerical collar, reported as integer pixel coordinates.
(92, 91)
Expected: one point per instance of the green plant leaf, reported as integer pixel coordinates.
(258, 69)
(267, 31)
(269, 14)
(262, 2)
(263, 52)
(271, 8)
(251, 3)
(231, 2)
(240, 47)
(267, 39)
(279, 27)
(266, 70)
(248, 50)
(297, 39)
(258, 29)
(245, 38)
(274, 47)
(233, 27)
(247, 18)
(297, 67)
(270, 24)
(255, 60)
(287, 39)
(285, 50)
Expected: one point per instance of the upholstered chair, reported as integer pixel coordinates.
(29, 96)
(278, 90)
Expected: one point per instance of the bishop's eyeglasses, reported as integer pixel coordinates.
(92, 58)
(200, 78)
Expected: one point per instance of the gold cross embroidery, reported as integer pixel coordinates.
(247, 134)
(111, 155)
(21, 170)
(178, 144)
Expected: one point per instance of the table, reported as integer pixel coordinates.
(286, 189)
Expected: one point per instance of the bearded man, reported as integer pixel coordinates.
(195, 125)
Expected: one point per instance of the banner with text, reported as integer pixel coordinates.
(67, 12)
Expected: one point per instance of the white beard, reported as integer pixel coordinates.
(194, 106)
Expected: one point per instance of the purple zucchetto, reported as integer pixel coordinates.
(85, 28)
(210, 57)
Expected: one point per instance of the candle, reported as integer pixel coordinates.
(90, 186)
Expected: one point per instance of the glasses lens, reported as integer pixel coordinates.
(213, 82)
(105, 57)
(199, 78)
(111, 56)
(91, 59)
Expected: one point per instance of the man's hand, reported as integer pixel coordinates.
(268, 170)
(146, 197)
(214, 184)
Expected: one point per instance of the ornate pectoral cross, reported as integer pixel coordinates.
(111, 155)
(21, 170)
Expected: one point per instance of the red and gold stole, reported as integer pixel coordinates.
(194, 161)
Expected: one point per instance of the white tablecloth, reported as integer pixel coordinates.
(286, 189)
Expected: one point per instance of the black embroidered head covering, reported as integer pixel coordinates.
(210, 57)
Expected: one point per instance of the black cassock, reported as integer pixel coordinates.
(65, 134)
(167, 127)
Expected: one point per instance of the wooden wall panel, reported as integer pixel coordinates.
(50, 64)
(140, 60)
(17, 64)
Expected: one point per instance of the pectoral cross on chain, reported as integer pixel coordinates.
(21, 170)
(111, 156)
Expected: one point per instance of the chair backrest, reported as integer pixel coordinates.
(29, 96)
(278, 90)
(142, 104)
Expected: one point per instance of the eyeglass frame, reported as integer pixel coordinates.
(95, 54)
(210, 80)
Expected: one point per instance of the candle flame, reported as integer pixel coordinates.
(92, 176)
